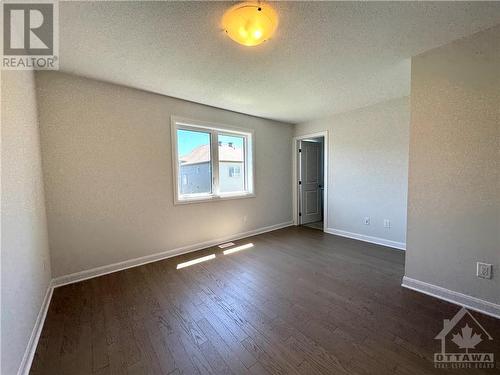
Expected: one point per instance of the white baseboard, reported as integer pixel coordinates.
(371, 239)
(473, 303)
(103, 270)
(29, 353)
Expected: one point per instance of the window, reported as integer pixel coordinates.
(231, 159)
(211, 162)
(234, 172)
(194, 155)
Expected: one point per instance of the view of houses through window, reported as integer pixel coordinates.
(195, 173)
(231, 163)
(195, 169)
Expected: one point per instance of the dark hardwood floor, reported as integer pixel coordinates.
(299, 301)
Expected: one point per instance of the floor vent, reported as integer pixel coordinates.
(227, 244)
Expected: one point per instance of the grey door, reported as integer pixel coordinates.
(310, 182)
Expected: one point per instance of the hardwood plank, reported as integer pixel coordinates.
(298, 302)
(229, 356)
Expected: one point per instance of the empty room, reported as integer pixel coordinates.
(250, 187)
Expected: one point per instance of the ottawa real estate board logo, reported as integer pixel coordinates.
(30, 35)
(464, 344)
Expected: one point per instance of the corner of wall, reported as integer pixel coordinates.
(26, 283)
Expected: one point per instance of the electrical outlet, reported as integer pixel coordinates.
(387, 223)
(484, 270)
(367, 220)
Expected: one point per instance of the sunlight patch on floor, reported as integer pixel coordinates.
(238, 248)
(195, 261)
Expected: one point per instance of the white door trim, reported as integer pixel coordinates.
(295, 185)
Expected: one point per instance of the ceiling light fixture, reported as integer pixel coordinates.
(250, 23)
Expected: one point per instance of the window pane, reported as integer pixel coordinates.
(231, 163)
(195, 172)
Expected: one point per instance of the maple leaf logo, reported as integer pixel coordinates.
(466, 340)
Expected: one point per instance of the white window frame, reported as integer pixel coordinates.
(214, 130)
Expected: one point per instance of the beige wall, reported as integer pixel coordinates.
(108, 174)
(25, 252)
(453, 204)
(368, 162)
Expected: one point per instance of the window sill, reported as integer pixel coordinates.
(214, 198)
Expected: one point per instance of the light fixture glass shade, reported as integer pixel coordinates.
(250, 23)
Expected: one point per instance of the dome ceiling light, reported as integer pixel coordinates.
(250, 23)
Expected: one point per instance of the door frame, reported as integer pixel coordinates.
(295, 173)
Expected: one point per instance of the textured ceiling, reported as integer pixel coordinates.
(326, 57)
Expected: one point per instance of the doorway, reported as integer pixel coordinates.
(310, 178)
